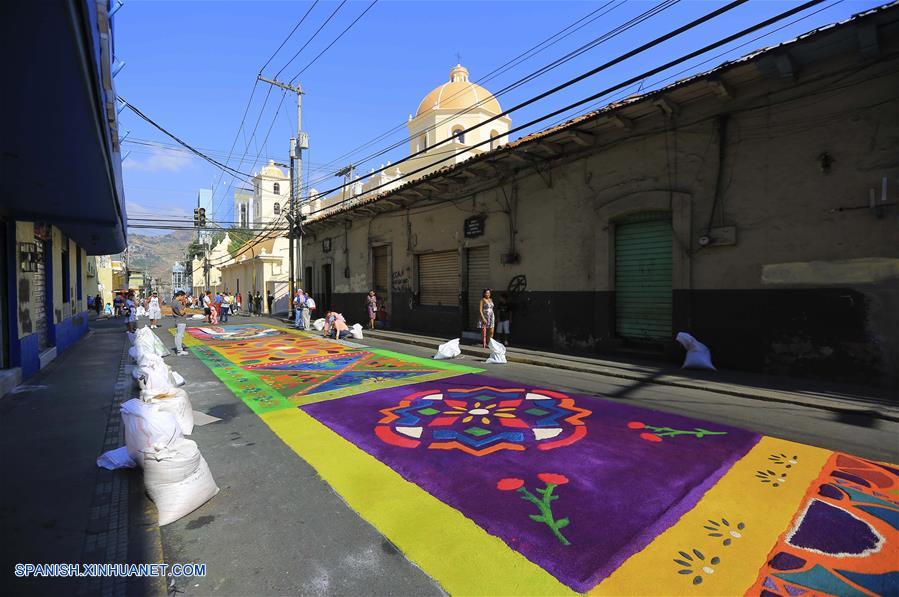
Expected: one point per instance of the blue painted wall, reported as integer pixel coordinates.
(29, 356)
(70, 330)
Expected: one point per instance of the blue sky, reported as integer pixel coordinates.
(191, 67)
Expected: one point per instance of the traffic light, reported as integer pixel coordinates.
(202, 217)
(196, 217)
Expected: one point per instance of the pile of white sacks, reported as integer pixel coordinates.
(176, 475)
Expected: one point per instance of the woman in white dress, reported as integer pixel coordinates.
(154, 312)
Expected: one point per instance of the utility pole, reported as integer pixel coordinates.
(297, 145)
(347, 173)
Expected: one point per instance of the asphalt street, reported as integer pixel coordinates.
(276, 528)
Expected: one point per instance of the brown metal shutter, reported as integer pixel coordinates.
(478, 280)
(381, 270)
(438, 279)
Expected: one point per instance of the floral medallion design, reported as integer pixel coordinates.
(543, 503)
(483, 420)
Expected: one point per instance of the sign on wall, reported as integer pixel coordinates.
(474, 226)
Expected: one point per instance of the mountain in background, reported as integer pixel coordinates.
(157, 254)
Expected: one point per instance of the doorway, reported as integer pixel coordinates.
(478, 280)
(643, 268)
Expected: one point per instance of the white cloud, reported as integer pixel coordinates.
(160, 160)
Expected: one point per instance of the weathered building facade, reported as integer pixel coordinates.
(55, 213)
(753, 206)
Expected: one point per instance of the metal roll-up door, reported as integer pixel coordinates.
(643, 264)
(438, 279)
(478, 280)
(381, 270)
(39, 296)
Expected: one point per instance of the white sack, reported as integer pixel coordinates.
(147, 428)
(319, 324)
(356, 331)
(497, 353)
(176, 402)
(178, 480)
(150, 343)
(114, 459)
(156, 376)
(135, 352)
(197, 316)
(698, 354)
(448, 350)
(176, 378)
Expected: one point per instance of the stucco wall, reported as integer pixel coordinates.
(753, 300)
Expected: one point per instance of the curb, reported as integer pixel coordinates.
(561, 363)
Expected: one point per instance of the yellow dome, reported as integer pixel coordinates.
(272, 170)
(458, 94)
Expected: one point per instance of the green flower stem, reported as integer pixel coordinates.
(669, 432)
(545, 508)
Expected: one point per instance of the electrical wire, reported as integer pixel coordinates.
(529, 53)
(314, 35)
(606, 91)
(627, 25)
(286, 39)
(193, 150)
(336, 39)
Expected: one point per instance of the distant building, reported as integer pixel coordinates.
(265, 202)
(179, 280)
(49, 230)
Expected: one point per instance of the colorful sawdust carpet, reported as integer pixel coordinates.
(271, 368)
(493, 487)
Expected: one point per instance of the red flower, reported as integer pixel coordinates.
(509, 484)
(650, 437)
(636, 425)
(553, 478)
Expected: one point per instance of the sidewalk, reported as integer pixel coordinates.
(804, 392)
(56, 505)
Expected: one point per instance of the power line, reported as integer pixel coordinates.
(608, 90)
(633, 22)
(556, 89)
(289, 35)
(336, 39)
(199, 153)
(486, 78)
(314, 35)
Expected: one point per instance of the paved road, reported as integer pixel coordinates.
(276, 528)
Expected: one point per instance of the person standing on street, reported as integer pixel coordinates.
(207, 306)
(488, 318)
(257, 302)
(308, 308)
(154, 311)
(504, 315)
(371, 302)
(299, 300)
(130, 312)
(226, 306)
(179, 312)
(98, 304)
(239, 303)
(269, 299)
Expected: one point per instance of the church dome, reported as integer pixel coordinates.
(272, 170)
(458, 94)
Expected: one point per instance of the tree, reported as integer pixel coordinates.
(238, 237)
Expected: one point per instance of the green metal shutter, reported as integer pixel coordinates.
(438, 279)
(643, 276)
